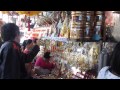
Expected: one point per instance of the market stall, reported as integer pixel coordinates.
(83, 44)
(76, 54)
(80, 41)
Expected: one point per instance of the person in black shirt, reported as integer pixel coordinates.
(12, 60)
(35, 45)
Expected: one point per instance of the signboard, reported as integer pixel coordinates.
(40, 32)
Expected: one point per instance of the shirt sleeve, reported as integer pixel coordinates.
(101, 74)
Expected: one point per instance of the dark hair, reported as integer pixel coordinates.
(24, 44)
(115, 59)
(35, 40)
(9, 31)
(29, 41)
(47, 55)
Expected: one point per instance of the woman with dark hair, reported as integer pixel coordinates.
(35, 45)
(28, 46)
(43, 64)
(35, 40)
(113, 70)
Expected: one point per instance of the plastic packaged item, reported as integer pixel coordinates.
(97, 32)
(88, 31)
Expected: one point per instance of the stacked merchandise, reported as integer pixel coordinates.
(77, 25)
(87, 25)
(98, 25)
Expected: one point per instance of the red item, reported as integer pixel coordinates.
(45, 65)
(29, 24)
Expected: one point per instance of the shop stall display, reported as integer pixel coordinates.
(79, 41)
(83, 56)
(82, 59)
(87, 25)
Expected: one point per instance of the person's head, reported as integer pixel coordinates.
(35, 40)
(10, 31)
(115, 59)
(29, 43)
(47, 55)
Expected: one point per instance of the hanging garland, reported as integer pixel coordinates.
(29, 13)
(5, 12)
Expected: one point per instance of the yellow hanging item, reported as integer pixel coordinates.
(5, 12)
(29, 13)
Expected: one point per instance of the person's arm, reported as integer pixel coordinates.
(11, 68)
(30, 56)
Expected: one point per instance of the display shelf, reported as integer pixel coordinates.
(61, 39)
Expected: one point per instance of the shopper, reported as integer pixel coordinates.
(35, 45)
(28, 46)
(23, 45)
(43, 64)
(113, 70)
(35, 41)
(12, 60)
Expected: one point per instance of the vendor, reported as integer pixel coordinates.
(43, 64)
